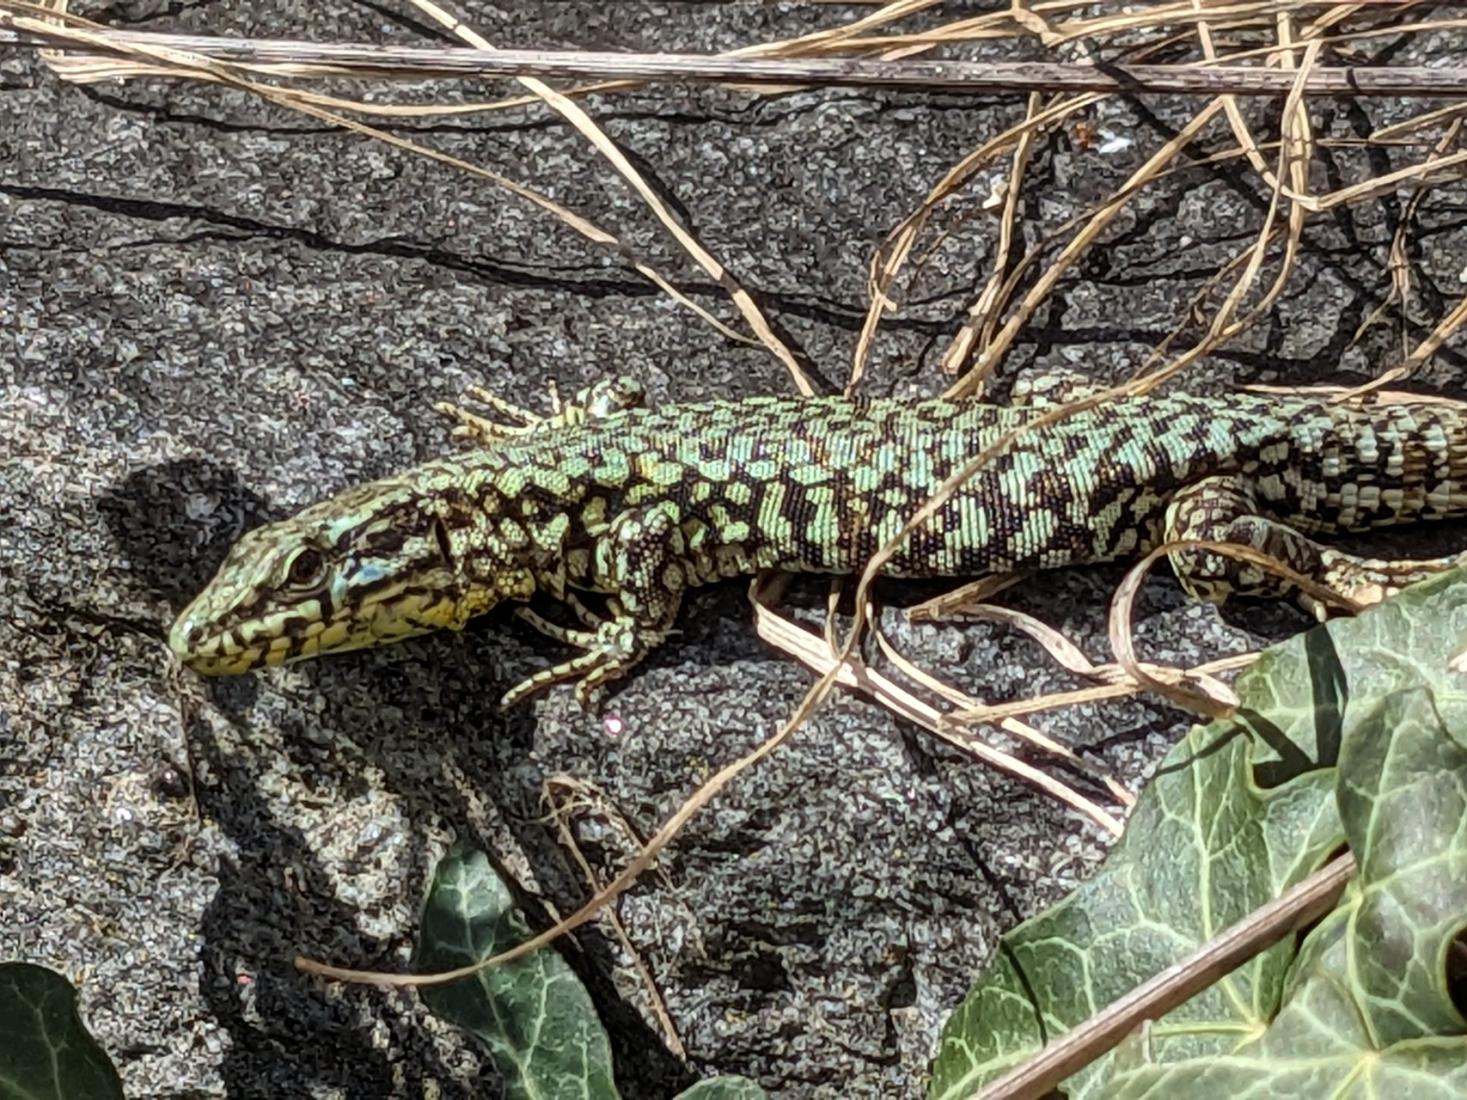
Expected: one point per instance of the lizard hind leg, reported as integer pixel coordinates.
(1222, 509)
(1370, 580)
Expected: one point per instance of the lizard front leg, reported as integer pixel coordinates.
(639, 562)
(1223, 509)
(1051, 387)
(604, 398)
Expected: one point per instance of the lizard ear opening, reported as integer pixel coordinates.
(445, 548)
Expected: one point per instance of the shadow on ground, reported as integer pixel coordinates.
(175, 523)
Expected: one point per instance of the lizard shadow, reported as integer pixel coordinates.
(425, 723)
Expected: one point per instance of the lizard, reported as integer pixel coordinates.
(640, 504)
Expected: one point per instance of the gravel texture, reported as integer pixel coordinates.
(215, 311)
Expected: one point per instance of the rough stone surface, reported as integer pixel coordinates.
(214, 311)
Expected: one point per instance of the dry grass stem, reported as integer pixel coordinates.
(984, 312)
(1044, 286)
(580, 797)
(573, 113)
(1174, 686)
(1115, 680)
(890, 258)
(317, 60)
(851, 672)
(623, 881)
(966, 704)
(188, 66)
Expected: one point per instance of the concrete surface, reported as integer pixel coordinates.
(214, 312)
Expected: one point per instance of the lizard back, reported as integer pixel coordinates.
(819, 484)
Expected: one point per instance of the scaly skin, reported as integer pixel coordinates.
(640, 505)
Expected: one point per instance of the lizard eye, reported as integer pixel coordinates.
(307, 568)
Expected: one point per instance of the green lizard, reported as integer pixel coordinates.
(640, 505)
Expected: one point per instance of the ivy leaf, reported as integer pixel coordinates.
(1240, 811)
(46, 1052)
(1402, 792)
(1367, 1012)
(533, 1014)
(724, 1088)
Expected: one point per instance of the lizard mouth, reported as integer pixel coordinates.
(222, 652)
(201, 643)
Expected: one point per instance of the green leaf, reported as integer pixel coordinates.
(1204, 847)
(724, 1088)
(1239, 812)
(1367, 1012)
(533, 1014)
(46, 1052)
(1402, 792)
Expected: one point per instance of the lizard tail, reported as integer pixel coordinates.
(1390, 463)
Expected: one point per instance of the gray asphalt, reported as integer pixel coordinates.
(215, 312)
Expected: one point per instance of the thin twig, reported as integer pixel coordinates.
(974, 77)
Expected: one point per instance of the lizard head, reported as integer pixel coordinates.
(376, 564)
